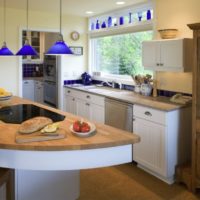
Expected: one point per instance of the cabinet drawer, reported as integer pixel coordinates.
(70, 92)
(149, 114)
(92, 98)
(99, 100)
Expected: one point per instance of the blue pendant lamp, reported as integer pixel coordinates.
(27, 49)
(59, 47)
(4, 51)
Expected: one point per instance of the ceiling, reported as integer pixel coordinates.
(72, 7)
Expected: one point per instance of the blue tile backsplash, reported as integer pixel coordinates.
(29, 70)
(125, 87)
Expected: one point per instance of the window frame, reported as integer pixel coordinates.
(148, 25)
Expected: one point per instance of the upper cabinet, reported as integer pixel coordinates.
(36, 40)
(167, 55)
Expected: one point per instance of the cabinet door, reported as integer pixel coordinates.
(97, 113)
(82, 108)
(28, 90)
(171, 54)
(150, 54)
(150, 151)
(39, 88)
(70, 104)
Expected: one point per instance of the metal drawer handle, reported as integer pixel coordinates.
(73, 99)
(88, 96)
(157, 64)
(87, 104)
(161, 64)
(148, 113)
(68, 91)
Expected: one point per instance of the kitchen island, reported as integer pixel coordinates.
(49, 170)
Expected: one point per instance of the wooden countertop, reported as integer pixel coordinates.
(106, 136)
(160, 102)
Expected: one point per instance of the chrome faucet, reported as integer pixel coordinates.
(109, 84)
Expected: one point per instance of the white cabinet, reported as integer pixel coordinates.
(36, 39)
(165, 140)
(167, 55)
(69, 104)
(33, 90)
(84, 104)
(97, 113)
(151, 150)
(82, 108)
(28, 89)
(39, 91)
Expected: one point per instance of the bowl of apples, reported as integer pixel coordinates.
(82, 129)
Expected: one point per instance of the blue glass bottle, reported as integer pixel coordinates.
(92, 26)
(97, 24)
(109, 21)
(121, 20)
(130, 18)
(148, 14)
(103, 25)
(140, 16)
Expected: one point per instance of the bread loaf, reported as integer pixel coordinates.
(34, 124)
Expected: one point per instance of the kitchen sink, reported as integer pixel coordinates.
(100, 90)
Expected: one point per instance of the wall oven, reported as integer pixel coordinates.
(51, 80)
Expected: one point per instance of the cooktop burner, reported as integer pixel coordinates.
(19, 113)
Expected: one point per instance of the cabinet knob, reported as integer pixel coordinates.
(68, 91)
(73, 99)
(157, 64)
(87, 104)
(148, 113)
(161, 64)
(88, 96)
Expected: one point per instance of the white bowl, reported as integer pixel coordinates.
(85, 134)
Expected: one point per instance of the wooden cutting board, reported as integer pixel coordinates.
(38, 136)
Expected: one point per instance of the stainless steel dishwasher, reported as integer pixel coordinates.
(119, 114)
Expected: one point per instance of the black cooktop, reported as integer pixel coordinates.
(19, 113)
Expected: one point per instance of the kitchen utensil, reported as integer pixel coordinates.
(146, 89)
(137, 88)
(38, 136)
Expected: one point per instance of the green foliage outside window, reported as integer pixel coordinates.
(121, 54)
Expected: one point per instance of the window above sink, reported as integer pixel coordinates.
(115, 52)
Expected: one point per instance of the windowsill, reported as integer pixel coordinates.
(123, 29)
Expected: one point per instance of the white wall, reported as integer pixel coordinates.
(16, 19)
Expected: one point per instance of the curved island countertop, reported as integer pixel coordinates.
(109, 146)
(106, 136)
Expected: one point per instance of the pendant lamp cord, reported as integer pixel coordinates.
(27, 16)
(4, 12)
(60, 16)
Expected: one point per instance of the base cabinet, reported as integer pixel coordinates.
(151, 150)
(28, 89)
(39, 92)
(70, 104)
(84, 104)
(165, 140)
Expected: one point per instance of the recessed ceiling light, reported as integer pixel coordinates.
(89, 12)
(120, 2)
